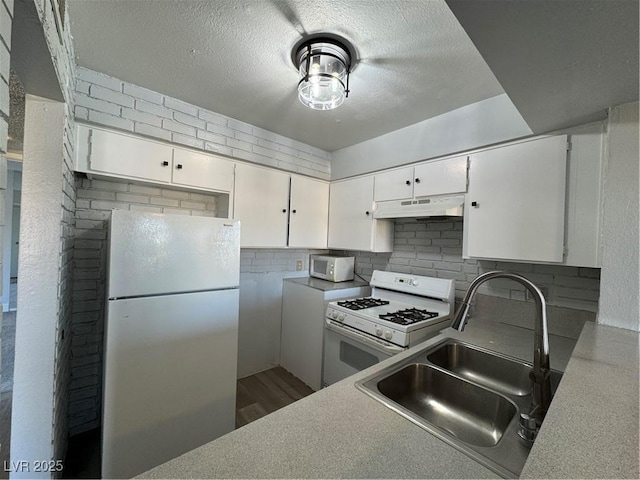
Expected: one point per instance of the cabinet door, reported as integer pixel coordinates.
(193, 169)
(515, 206)
(441, 177)
(309, 216)
(262, 205)
(351, 214)
(394, 185)
(130, 157)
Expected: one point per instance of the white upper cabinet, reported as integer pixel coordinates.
(261, 204)
(515, 205)
(277, 209)
(436, 177)
(309, 213)
(104, 152)
(441, 177)
(394, 185)
(193, 169)
(351, 222)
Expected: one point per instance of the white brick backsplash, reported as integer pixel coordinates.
(181, 106)
(96, 104)
(219, 129)
(213, 117)
(103, 98)
(187, 140)
(149, 107)
(110, 120)
(434, 248)
(217, 148)
(143, 93)
(108, 95)
(141, 117)
(178, 127)
(91, 76)
(189, 120)
(211, 137)
(151, 131)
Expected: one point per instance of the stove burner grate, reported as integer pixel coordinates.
(408, 316)
(362, 303)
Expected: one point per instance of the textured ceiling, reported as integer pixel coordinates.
(561, 62)
(233, 57)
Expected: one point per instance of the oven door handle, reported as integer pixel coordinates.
(379, 345)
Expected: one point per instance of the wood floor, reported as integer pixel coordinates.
(266, 392)
(256, 396)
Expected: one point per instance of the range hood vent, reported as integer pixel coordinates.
(441, 206)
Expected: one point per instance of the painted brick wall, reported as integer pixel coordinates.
(108, 101)
(434, 248)
(6, 15)
(63, 58)
(95, 200)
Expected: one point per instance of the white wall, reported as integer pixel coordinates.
(483, 123)
(620, 240)
(38, 302)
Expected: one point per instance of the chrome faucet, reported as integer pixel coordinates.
(541, 373)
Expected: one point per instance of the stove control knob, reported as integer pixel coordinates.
(379, 332)
(341, 317)
(334, 314)
(414, 282)
(388, 335)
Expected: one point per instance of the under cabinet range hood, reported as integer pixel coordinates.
(441, 206)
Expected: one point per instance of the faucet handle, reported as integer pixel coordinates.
(527, 429)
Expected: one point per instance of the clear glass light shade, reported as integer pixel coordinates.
(323, 86)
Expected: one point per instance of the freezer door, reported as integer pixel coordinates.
(153, 254)
(169, 378)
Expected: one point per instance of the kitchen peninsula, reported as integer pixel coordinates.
(590, 431)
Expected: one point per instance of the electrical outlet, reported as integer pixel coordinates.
(299, 265)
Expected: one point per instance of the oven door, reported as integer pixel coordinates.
(348, 351)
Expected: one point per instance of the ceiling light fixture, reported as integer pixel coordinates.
(324, 64)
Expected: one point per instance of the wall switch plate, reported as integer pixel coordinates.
(299, 265)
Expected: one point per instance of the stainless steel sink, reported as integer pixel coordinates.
(489, 369)
(470, 413)
(467, 396)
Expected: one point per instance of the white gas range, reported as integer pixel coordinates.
(402, 311)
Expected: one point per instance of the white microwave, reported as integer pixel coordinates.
(331, 268)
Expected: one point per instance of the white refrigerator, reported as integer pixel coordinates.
(171, 337)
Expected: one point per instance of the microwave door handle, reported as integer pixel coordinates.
(378, 345)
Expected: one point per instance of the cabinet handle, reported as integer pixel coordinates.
(367, 212)
(417, 180)
(165, 164)
(408, 182)
(293, 211)
(475, 204)
(284, 210)
(179, 166)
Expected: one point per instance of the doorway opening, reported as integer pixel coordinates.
(11, 247)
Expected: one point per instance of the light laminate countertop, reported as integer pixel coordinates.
(591, 429)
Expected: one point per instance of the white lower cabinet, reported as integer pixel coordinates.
(278, 209)
(351, 222)
(515, 205)
(304, 304)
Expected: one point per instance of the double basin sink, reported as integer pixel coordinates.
(467, 396)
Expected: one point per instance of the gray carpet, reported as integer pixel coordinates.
(8, 351)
